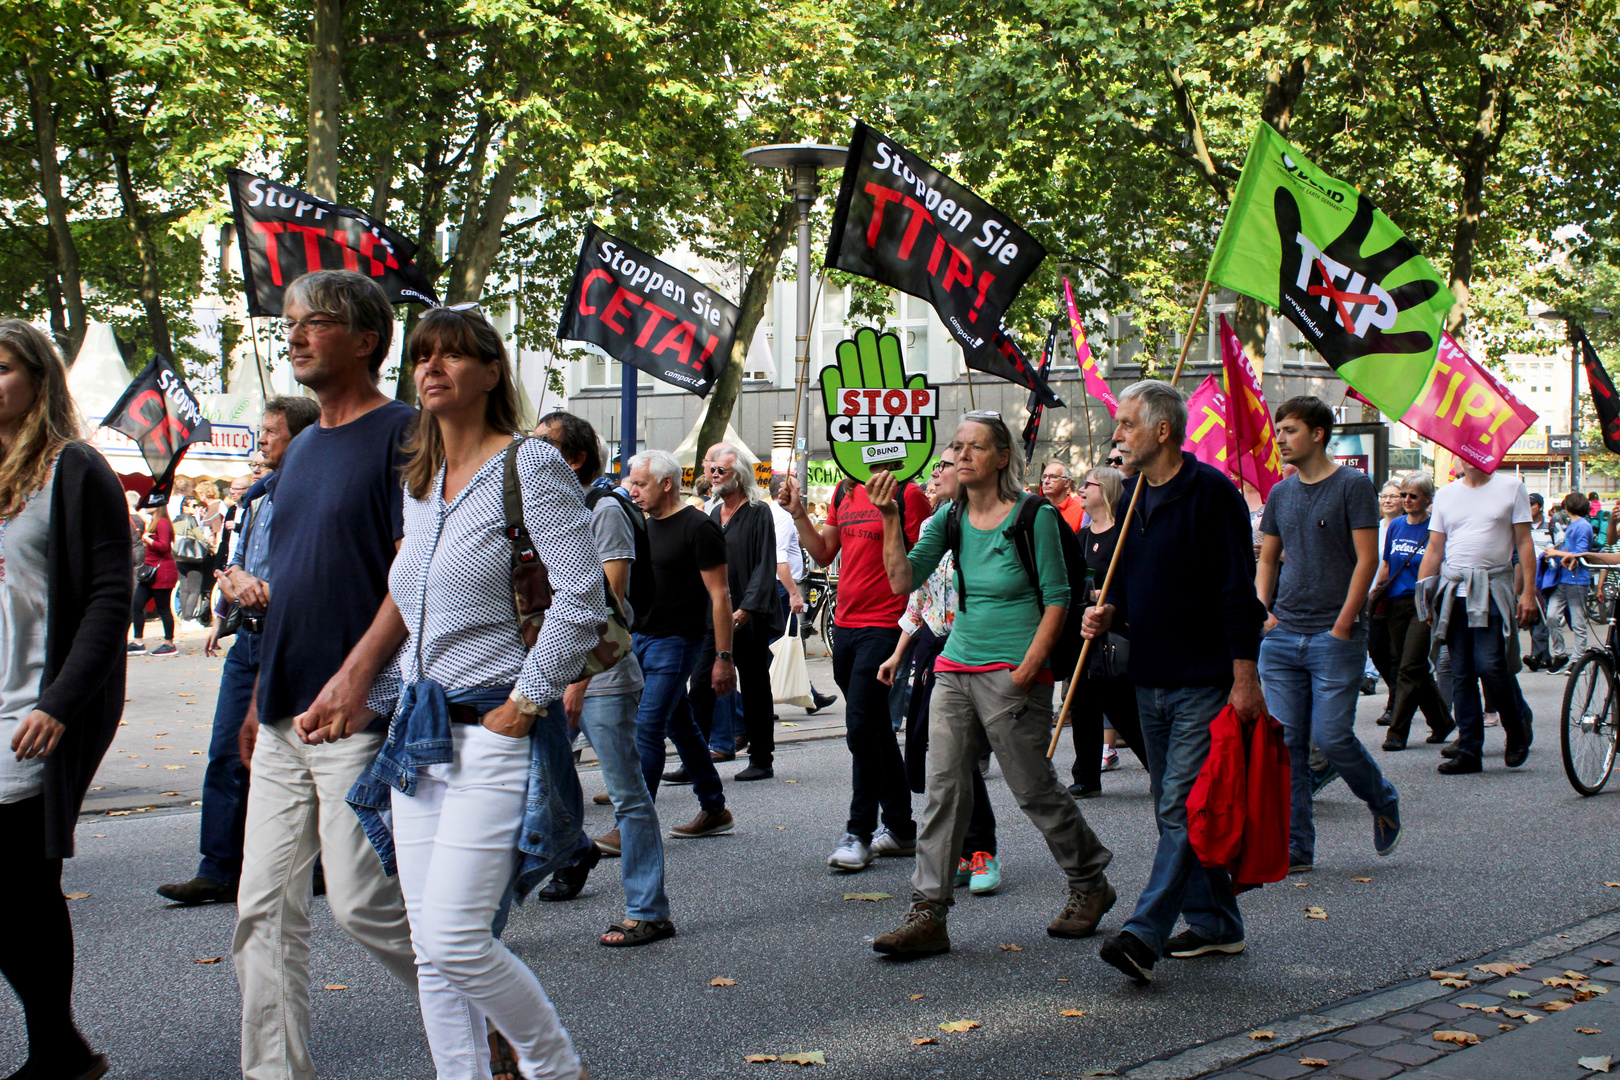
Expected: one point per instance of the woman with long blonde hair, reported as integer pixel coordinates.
(64, 598)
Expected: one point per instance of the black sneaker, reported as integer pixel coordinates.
(1557, 664)
(1369, 685)
(136, 648)
(1533, 662)
(1516, 755)
(1460, 765)
(566, 883)
(1190, 943)
(1127, 952)
(199, 890)
(821, 701)
(1383, 720)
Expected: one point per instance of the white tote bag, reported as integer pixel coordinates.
(790, 675)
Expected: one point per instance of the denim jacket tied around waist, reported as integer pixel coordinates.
(419, 736)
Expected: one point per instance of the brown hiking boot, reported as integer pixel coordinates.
(705, 824)
(920, 933)
(1080, 916)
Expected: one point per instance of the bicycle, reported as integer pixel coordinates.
(1589, 725)
(820, 600)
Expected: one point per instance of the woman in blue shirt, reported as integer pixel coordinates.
(1405, 540)
(1568, 603)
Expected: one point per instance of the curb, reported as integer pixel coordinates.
(1223, 1053)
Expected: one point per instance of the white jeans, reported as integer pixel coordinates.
(296, 811)
(456, 840)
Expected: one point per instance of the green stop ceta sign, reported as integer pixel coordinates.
(878, 417)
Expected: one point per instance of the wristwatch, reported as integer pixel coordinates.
(523, 704)
(723, 655)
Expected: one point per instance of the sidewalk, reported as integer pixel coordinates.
(1531, 1019)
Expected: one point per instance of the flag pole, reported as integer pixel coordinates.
(253, 333)
(801, 381)
(1119, 546)
(969, 371)
(1085, 407)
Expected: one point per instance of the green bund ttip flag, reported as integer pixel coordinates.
(1356, 286)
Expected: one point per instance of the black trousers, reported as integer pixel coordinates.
(751, 655)
(878, 780)
(36, 949)
(1415, 687)
(981, 830)
(165, 610)
(1094, 699)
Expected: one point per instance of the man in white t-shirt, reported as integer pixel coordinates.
(1466, 588)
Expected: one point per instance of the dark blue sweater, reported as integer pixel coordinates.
(1185, 584)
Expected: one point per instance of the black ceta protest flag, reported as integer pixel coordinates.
(1032, 428)
(161, 414)
(283, 233)
(648, 314)
(904, 223)
(1601, 386)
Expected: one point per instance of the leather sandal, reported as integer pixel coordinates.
(502, 1058)
(637, 932)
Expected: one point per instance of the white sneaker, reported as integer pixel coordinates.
(884, 843)
(851, 854)
(1110, 759)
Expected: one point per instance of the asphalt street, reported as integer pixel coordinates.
(1485, 861)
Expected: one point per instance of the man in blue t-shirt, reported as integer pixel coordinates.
(1568, 603)
(1318, 556)
(338, 519)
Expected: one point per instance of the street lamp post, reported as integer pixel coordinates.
(802, 160)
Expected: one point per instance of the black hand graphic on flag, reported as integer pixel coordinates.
(1335, 294)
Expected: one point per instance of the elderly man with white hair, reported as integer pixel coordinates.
(756, 618)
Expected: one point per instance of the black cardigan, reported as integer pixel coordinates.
(89, 606)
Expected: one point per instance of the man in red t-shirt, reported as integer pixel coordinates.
(1057, 484)
(868, 622)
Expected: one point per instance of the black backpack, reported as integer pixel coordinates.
(1066, 653)
(641, 585)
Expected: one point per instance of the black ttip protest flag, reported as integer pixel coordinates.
(161, 414)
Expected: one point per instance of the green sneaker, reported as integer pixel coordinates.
(964, 872)
(986, 874)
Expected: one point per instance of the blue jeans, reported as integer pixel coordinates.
(666, 664)
(225, 783)
(1312, 682)
(1175, 734)
(726, 723)
(1479, 656)
(609, 725)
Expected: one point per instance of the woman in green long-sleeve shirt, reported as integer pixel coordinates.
(993, 684)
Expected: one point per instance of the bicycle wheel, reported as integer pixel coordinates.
(824, 622)
(1588, 723)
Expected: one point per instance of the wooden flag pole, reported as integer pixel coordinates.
(969, 371)
(1119, 546)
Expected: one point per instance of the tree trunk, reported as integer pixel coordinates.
(53, 293)
(325, 99)
(382, 181)
(756, 290)
(1475, 160)
(140, 225)
(481, 242)
(67, 252)
(434, 179)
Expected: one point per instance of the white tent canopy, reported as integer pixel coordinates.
(98, 376)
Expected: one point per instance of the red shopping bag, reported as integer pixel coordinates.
(1218, 806)
(1268, 804)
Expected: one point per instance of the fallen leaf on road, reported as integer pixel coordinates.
(721, 980)
(1555, 1006)
(1517, 1014)
(1301, 884)
(1448, 975)
(99, 835)
(1589, 989)
(959, 1025)
(874, 897)
(1517, 994)
(197, 752)
(1505, 1027)
(1576, 975)
(1467, 1005)
(119, 813)
(1456, 984)
(1314, 1063)
(790, 781)
(1010, 948)
(756, 1059)
(1262, 1034)
(1491, 1009)
(1503, 968)
(1612, 885)
(337, 986)
(1596, 1064)
(183, 693)
(917, 997)
(1589, 1031)
(1071, 1012)
(174, 766)
(814, 1057)
(781, 828)
(174, 793)
(924, 1041)
(124, 723)
(1559, 980)
(1361, 879)
(75, 895)
(163, 748)
(209, 960)
(1461, 1038)
(1530, 1019)
(134, 755)
(143, 766)
(786, 723)
(1315, 913)
(1605, 963)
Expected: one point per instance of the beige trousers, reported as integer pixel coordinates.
(296, 812)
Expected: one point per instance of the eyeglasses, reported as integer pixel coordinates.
(1054, 476)
(1116, 461)
(310, 324)
(1091, 483)
(1413, 495)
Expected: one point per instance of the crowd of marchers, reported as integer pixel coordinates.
(427, 609)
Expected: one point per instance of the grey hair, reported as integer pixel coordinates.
(356, 299)
(1112, 482)
(660, 463)
(746, 479)
(1420, 480)
(1010, 484)
(1390, 483)
(1161, 403)
(1068, 473)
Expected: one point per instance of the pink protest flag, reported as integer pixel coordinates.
(1209, 435)
(1096, 386)
(1253, 434)
(1467, 410)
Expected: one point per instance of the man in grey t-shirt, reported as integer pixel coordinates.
(1318, 555)
(605, 708)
